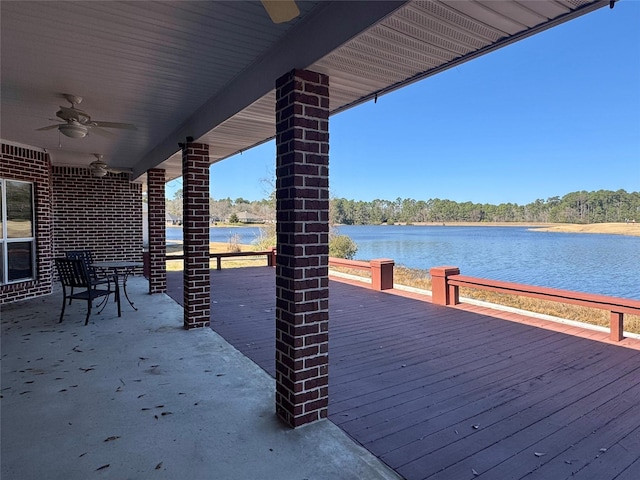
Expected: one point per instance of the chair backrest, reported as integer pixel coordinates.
(72, 272)
(87, 258)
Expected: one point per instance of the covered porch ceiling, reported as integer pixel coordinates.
(207, 69)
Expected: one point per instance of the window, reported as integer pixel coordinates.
(17, 231)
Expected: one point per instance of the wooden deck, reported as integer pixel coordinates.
(448, 393)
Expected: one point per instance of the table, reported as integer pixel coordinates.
(121, 271)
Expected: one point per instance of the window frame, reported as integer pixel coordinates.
(5, 241)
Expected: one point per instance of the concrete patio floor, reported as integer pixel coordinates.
(139, 397)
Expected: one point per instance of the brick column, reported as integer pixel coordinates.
(156, 221)
(195, 231)
(302, 271)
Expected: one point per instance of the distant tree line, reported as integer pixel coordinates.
(227, 209)
(577, 207)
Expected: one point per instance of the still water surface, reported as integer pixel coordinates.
(605, 264)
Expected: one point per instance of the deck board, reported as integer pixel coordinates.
(440, 392)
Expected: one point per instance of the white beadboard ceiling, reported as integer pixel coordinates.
(207, 69)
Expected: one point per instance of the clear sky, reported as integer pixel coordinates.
(552, 114)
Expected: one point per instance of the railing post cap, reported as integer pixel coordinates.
(382, 261)
(444, 271)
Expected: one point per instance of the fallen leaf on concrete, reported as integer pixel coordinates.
(110, 439)
(539, 454)
(475, 427)
(474, 472)
(159, 466)
(103, 467)
(166, 413)
(82, 454)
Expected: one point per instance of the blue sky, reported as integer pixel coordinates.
(555, 113)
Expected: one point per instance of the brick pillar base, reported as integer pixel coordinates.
(302, 272)
(195, 231)
(157, 273)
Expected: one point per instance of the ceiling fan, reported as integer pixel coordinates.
(77, 123)
(99, 168)
(281, 11)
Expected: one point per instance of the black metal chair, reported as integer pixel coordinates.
(74, 275)
(96, 277)
(87, 257)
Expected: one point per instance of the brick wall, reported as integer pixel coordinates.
(302, 282)
(19, 163)
(195, 231)
(103, 214)
(157, 231)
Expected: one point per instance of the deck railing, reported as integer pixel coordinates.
(446, 282)
(270, 254)
(381, 269)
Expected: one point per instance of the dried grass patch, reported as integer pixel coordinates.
(421, 279)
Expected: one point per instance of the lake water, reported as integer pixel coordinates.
(605, 264)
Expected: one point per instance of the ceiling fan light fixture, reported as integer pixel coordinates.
(98, 172)
(73, 130)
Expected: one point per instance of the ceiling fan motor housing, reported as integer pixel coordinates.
(73, 130)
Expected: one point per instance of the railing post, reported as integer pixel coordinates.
(616, 326)
(441, 292)
(146, 262)
(271, 259)
(382, 273)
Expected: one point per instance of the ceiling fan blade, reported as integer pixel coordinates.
(101, 132)
(118, 171)
(50, 127)
(281, 11)
(126, 126)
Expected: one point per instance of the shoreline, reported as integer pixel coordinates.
(628, 229)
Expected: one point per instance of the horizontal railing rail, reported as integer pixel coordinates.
(355, 264)
(270, 254)
(381, 269)
(446, 282)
